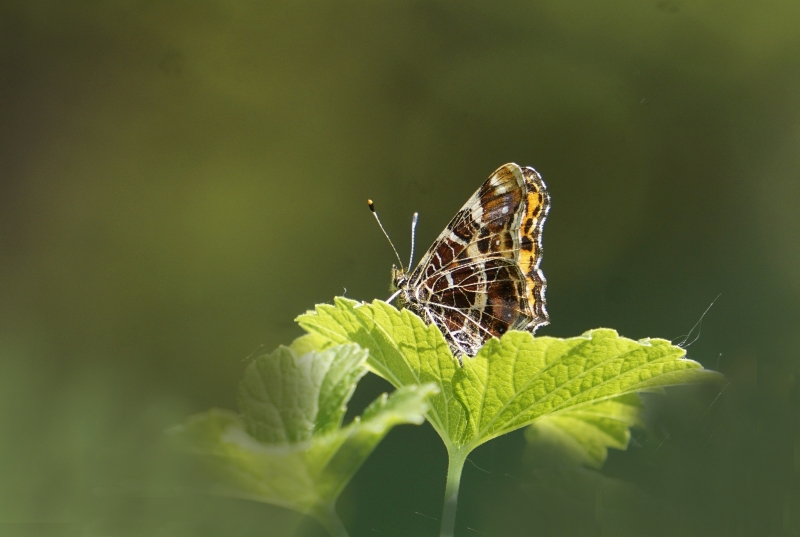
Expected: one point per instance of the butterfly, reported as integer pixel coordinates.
(481, 276)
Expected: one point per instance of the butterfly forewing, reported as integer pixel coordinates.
(481, 276)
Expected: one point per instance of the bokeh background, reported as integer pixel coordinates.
(179, 180)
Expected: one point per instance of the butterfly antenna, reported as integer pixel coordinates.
(413, 235)
(375, 214)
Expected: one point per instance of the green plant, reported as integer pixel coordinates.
(511, 382)
(288, 447)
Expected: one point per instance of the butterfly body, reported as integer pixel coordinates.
(481, 276)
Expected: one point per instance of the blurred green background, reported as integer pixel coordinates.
(179, 180)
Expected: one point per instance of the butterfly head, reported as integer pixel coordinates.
(399, 284)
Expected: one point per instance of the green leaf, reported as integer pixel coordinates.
(237, 465)
(402, 349)
(288, 447)
(310, 342)
(512, 381)
(286, 398)
(518, 378)
(306, 476)
(582, 435)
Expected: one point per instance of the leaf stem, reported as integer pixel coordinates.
(457, 457)
(329, 520)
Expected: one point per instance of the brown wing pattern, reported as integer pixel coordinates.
(481, 277)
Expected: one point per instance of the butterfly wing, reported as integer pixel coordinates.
(481, 276)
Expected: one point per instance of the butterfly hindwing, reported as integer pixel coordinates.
(537, 206)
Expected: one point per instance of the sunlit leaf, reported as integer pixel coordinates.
(582, 435)
(402, 349)
(515, 380)
(288, 398)
(512, 381)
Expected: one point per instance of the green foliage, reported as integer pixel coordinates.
(574, 388)
(286, 398)
(584, 434)
(402, 349)
(512, 381)
(288, 447)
